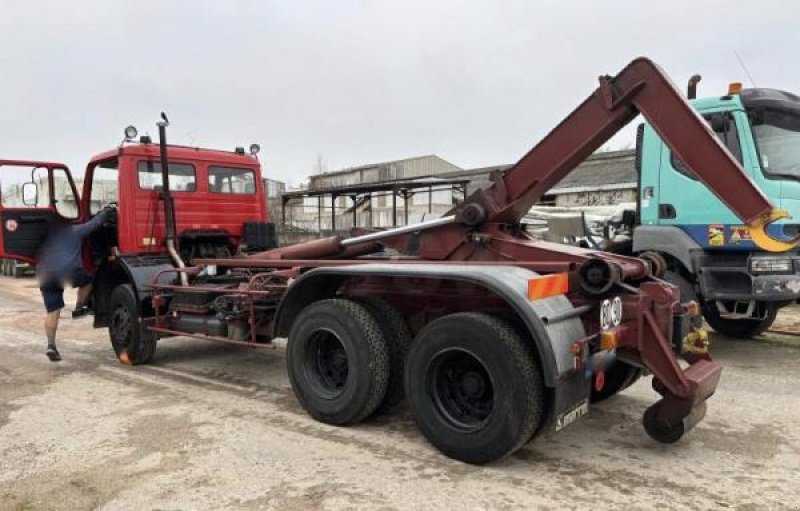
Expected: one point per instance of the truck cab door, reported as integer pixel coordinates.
(686, 202)
(33, 196)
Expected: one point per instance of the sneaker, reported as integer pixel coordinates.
(52, 354)
(81, 311)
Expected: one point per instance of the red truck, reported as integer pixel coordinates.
(491, 334)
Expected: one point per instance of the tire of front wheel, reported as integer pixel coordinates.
(687, 291)
(132, 343)
(474, 422)
(740, 328)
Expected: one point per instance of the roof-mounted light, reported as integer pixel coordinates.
(130, 133)
(254, 149)
(734, 88)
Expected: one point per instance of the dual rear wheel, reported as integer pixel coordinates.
(472, 383)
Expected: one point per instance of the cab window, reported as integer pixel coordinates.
(231, 180)
(182, 177)
(24, 187)
(724, 127)
(104, 185)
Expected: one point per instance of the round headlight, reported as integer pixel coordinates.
(131, 132)
(254, 149)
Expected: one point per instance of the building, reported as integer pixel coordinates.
(375, 195)
(605, 178)
(414, 189)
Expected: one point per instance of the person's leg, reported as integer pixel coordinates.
(51, 327)
(82, 279)
(53, 294)
(83, 295)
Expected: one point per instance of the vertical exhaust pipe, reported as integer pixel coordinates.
(166, 197)
(691, 89)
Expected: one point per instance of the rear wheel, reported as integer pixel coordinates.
(338, 361)
(132, 343)
(398, 338)
(742, 328)
(474, 387)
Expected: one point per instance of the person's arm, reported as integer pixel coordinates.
(92, 225)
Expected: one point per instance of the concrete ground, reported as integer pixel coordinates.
(213, 427)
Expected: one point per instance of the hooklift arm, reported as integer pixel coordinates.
(641, 87)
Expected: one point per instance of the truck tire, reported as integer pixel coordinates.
(687, 291)
(338, 361)
(132, 343)
(398, 338)
(474, 387)
(741, 328)
(618, 377)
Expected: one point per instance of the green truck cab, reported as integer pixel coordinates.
(709, 252)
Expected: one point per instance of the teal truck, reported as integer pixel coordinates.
(708, 252)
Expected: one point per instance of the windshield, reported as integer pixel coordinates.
(777, 137)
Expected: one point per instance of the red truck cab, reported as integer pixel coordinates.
(216, 194)
(218, 198)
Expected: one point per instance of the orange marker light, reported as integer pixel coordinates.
(608, 340)
(734, 88)
(548, 285)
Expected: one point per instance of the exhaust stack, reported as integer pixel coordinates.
(169, 203)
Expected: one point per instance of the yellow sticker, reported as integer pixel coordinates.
(716, 235)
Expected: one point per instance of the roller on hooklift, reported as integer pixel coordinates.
(491, 335)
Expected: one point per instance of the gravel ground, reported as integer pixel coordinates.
(213, 427)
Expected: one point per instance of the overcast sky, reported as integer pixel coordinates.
(477, 83)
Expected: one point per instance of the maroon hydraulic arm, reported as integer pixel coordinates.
(485, 228)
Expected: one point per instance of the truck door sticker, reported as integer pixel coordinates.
(11, 225)
(716, 235)
(739, 233)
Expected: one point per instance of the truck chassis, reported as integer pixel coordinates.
(491, 334)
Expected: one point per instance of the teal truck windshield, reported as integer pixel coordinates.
(777, 137)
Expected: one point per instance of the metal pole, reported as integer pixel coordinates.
(333, 213)
(374, 236)
(283, 210)
(319, 214)
(369, 204)
(430, 199)
(406, 195)
(394, 208)
(355, 210)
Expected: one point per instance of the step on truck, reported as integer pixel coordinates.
(490, 334)
(711, 254)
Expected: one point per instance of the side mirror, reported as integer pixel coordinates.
(30, 193)
(720, 123)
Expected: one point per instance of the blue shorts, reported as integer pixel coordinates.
(53, 288)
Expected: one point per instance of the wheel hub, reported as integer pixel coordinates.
(328, 365)
(461, 388)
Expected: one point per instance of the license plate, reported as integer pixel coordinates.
(570, 416)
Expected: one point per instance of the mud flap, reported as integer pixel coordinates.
(570, 401)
